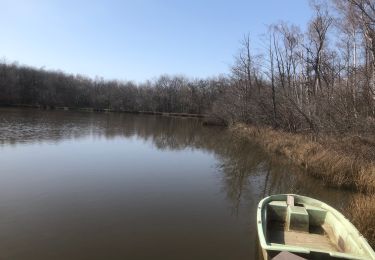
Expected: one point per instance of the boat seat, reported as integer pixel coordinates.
(317, 215)
(277, 210)
(297, 219)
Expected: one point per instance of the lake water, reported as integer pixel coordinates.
(76, 185)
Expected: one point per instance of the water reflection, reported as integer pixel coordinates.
(248, 173)
(171, 183)
(243, 164)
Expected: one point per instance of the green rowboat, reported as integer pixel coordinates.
(308, 228)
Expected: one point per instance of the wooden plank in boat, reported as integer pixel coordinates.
(287, 256)
(306, 240)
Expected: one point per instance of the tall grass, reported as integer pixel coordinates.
(338, 162)
(361, 211)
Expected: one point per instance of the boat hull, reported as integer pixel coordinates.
(337, 239)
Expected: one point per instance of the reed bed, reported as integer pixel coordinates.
(361, 212)
(338, 162)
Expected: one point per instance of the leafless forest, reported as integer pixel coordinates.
(318, 80)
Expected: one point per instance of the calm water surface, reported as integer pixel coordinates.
(119, 186)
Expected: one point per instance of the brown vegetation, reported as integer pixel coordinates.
(340, 162)
(361, 211)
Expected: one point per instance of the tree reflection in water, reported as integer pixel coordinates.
(246, 172)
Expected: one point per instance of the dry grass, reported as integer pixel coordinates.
(340, 162)
(361, 212)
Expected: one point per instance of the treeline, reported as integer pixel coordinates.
(321, 79)
(21, 85)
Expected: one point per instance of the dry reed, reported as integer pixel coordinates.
(361, 211)
(338, 162)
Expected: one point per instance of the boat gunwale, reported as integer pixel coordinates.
(298, 249)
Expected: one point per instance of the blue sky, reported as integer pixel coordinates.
(139, 39)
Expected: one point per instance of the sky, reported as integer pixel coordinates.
(139, 39)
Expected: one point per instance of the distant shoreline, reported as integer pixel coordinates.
(106, 110)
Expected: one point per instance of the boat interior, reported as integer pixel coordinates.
(293, 222)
